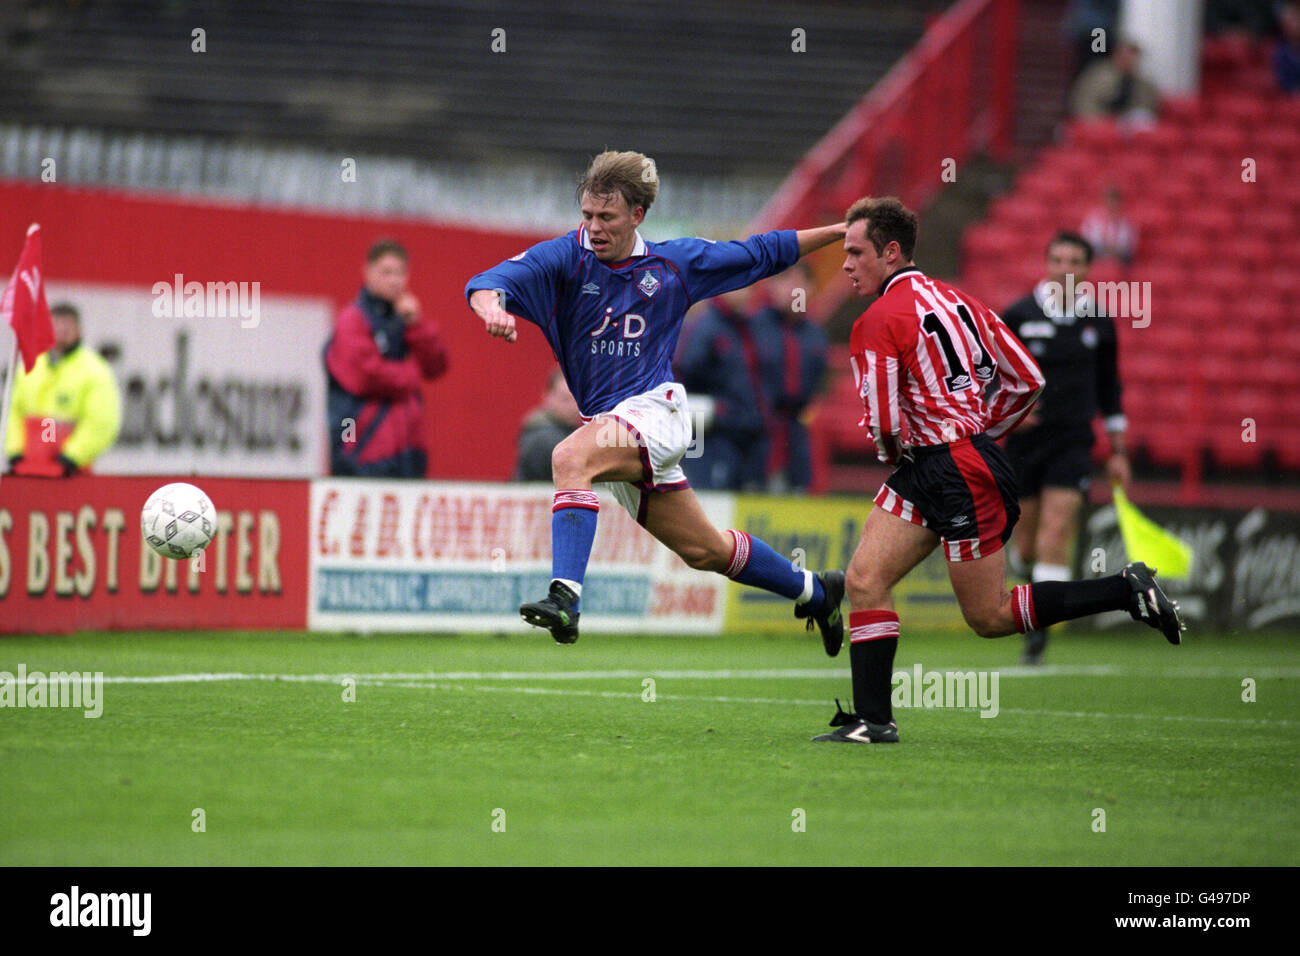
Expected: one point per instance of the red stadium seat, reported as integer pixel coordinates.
(1284, 283)
(1275, 225)
(1164, 141)
(1286, 343)
(1243, 108)
(1095, 136)
(1229, 449)
(1217, 371)
(1183, 248)
(1268, 313)
(1277, 374)
(1169, 335)
(1281, 141)
(1181, 111)
(1286, 445)
(1243, 343)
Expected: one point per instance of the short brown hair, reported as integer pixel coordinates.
(387, 247)
(66, 309)
(1073, 239)
(888, 220)
(632, 175)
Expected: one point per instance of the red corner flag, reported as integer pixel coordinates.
(23, 304)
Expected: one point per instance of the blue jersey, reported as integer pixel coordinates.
(614, 328)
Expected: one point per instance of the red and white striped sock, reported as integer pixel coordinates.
(872, 625)
(575, 498)
(1022, 608)
(740, 548)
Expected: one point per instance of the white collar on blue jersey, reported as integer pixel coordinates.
(637, 250)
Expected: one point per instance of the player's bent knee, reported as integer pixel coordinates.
(866, 595)
(989, 624)
(855, 590)
(567, 464)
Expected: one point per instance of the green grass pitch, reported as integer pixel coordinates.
(511, 750)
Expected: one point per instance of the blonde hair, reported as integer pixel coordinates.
(632, 175)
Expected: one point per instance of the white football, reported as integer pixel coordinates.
(178, 519)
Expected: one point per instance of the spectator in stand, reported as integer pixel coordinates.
(545, 427)
(66, 412)
(1082, 19)
(1112, 235)
(1286, 58)
(1115, 87)
(377, 361)
(792, 353)
(718, 356)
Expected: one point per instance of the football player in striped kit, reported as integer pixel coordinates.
(611, 307)
(941, 377)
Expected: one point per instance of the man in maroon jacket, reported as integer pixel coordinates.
(380, 354)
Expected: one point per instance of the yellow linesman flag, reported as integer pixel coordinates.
(1146, 541)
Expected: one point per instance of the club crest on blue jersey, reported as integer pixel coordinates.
(647, 282)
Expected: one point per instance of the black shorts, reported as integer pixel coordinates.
(964, 491)
(1061, 458)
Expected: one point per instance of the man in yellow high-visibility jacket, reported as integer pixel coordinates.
(66, 412)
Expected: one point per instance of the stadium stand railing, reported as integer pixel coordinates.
(950, 97)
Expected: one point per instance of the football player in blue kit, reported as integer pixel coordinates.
(611, 307)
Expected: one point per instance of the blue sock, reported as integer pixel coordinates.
(756, 564)
(573, 529)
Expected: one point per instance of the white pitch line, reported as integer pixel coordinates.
(439, 682)
(1101, 670)
(569, 692)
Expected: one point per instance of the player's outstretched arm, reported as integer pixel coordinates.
(812, 239)
(486, 303)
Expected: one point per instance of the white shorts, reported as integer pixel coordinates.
(658, 423)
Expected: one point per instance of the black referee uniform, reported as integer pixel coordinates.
(1078, 356)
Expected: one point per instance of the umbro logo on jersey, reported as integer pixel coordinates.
(959, 382)
(960, 520)
(591, 288)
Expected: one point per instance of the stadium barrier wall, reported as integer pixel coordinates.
(822, 533)
(1245, 572)
(443, 556)
(72, 558)
(359, 555)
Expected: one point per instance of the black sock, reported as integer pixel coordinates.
(1065, 600)
(873, 678)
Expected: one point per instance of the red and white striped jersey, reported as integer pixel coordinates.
(927, 354)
